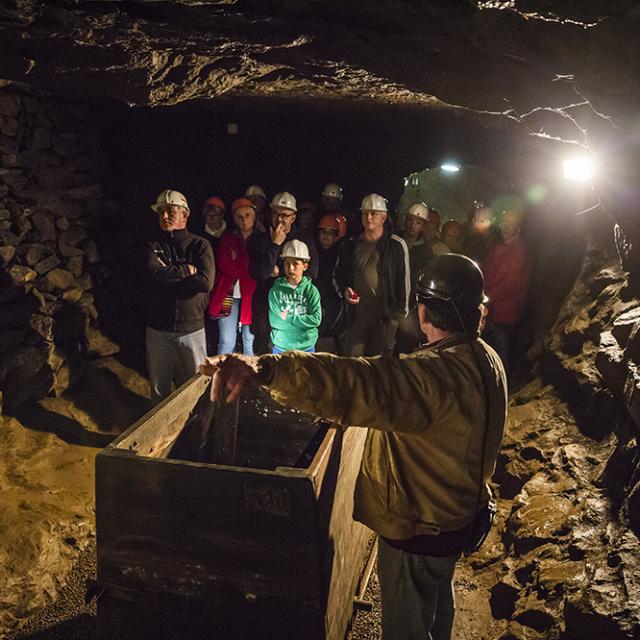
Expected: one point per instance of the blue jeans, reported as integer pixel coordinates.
(416, 593)
(277, 350)
(172, 357)
(228, 328)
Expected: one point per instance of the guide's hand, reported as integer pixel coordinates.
(276, 272)
(231, 371)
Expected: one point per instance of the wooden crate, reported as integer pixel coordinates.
(199, 550)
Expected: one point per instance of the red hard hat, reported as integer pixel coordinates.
(214, 201)
(242, 202)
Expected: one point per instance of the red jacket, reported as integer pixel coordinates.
(232, 264)
(507, 271)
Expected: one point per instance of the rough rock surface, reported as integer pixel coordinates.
(515, 56)
(48, 208)
(47, 484)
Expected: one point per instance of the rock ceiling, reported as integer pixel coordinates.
(555, 67)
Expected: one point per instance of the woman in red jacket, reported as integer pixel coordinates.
(233, 289)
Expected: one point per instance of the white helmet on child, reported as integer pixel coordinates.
(295, 249)
(284, 199)
(374, 202)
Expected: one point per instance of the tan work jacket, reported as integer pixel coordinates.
(426, 414)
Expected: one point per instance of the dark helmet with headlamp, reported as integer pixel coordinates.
(452, 278)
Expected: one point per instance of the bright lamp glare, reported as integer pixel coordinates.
(579, 169)
(450, 167)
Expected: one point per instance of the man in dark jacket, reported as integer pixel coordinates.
(264, 253)
(373, 274)
(180, 272)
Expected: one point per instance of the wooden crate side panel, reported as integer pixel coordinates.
(124, 616)
(227, 538)
(346, 540)
(156, 431)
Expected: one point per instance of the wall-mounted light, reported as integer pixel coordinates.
(232, 128)
(579, 168)
(450, 167)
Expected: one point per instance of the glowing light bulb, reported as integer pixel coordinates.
(449, 167)
(579, 168)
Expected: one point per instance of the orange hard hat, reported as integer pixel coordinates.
(335, 221)
(329, 221)
(242, 202)
(214, 201)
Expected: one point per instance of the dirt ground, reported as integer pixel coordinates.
(47, 532)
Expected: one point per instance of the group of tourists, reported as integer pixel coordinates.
(288, 276)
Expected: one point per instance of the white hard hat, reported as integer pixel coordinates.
(374, 202)
(255, 190)
(419, 210)
(332, 190)
(170, 197)
(284, 199)
(295, 249)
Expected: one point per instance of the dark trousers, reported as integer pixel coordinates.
(368, 335)
(502, 338)
(416, 593)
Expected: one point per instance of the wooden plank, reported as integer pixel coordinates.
(344, 541)
(162, 618)
(158, 429)
(232, 541)
(320, 463)
(193, 442)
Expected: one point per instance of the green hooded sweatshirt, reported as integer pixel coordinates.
(299, 330)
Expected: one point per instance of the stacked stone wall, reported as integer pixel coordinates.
(51, 206)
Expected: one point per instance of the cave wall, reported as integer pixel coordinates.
(51, 207)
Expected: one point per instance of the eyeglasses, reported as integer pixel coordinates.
(285, 216)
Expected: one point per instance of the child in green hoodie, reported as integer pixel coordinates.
(294, 302)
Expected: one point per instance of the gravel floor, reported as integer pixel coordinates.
(69, 617)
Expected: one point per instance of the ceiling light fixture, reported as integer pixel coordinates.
(579, 168)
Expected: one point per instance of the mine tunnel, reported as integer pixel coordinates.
(526, 107)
